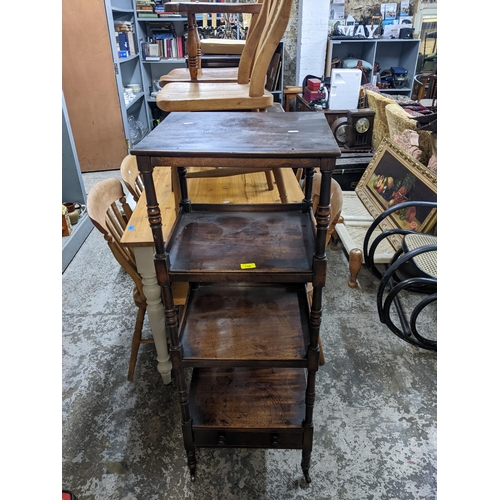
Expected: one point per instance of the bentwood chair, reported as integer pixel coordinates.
(426, 87)
(234, 96)
(110, 213)
(412, 270)
(247, 48)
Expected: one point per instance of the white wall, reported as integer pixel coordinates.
(312, 36)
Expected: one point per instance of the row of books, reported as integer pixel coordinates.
(141, 14)
(125, 42)
(148, 9)
(163, 46)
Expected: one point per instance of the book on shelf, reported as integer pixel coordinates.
(131, 43)
(123, 42)
(152, 58)
(142, 46)
(152, 50)
(123, 26)
(146, 15)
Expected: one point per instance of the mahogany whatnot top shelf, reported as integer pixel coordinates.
(233, 138)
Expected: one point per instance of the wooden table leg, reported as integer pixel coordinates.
(355, 261)
(144, 257)
(280, 183)
(193, 44)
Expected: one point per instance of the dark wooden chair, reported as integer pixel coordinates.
(412, 270)
(249, 95)
(109, 212)
(194, 71)
(426, 88)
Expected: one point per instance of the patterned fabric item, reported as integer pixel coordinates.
(378, 101)
(433, 164)
(398, 120)
(408, 141)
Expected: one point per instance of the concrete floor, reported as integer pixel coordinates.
(375, 414)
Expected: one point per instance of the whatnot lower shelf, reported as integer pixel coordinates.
(246, 325)
(231, 242)
(251, 408)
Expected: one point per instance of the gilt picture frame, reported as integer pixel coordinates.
(392, 177)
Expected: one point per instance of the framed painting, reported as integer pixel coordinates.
(393, 177)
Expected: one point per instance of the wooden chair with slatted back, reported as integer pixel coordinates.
(426, 88)
(131, 176)
(239, 74)
(109, 212)
(234, 96)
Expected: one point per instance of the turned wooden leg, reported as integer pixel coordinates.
(192, 46)
(156, 312)
(334, 239)
(136, 341)
(335, 236)
(321, 355)
(280, 183)
(355, 261)
(270, 180)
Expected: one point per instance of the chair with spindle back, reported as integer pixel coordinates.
(131, 176)
(109, 212)
(247, 48)
(267, 32)
(249, 95)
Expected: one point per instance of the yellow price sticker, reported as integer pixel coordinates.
(250, 265)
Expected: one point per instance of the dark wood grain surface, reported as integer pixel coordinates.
(242, 134)
(241, 398)
(243, 325)
(277, 238)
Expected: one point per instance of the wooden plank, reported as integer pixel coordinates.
(89, 86)
(344, 162)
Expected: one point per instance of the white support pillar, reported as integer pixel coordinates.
(312, 37)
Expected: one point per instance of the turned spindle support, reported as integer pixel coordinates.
(355, 261)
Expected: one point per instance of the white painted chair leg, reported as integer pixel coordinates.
(145, 265)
